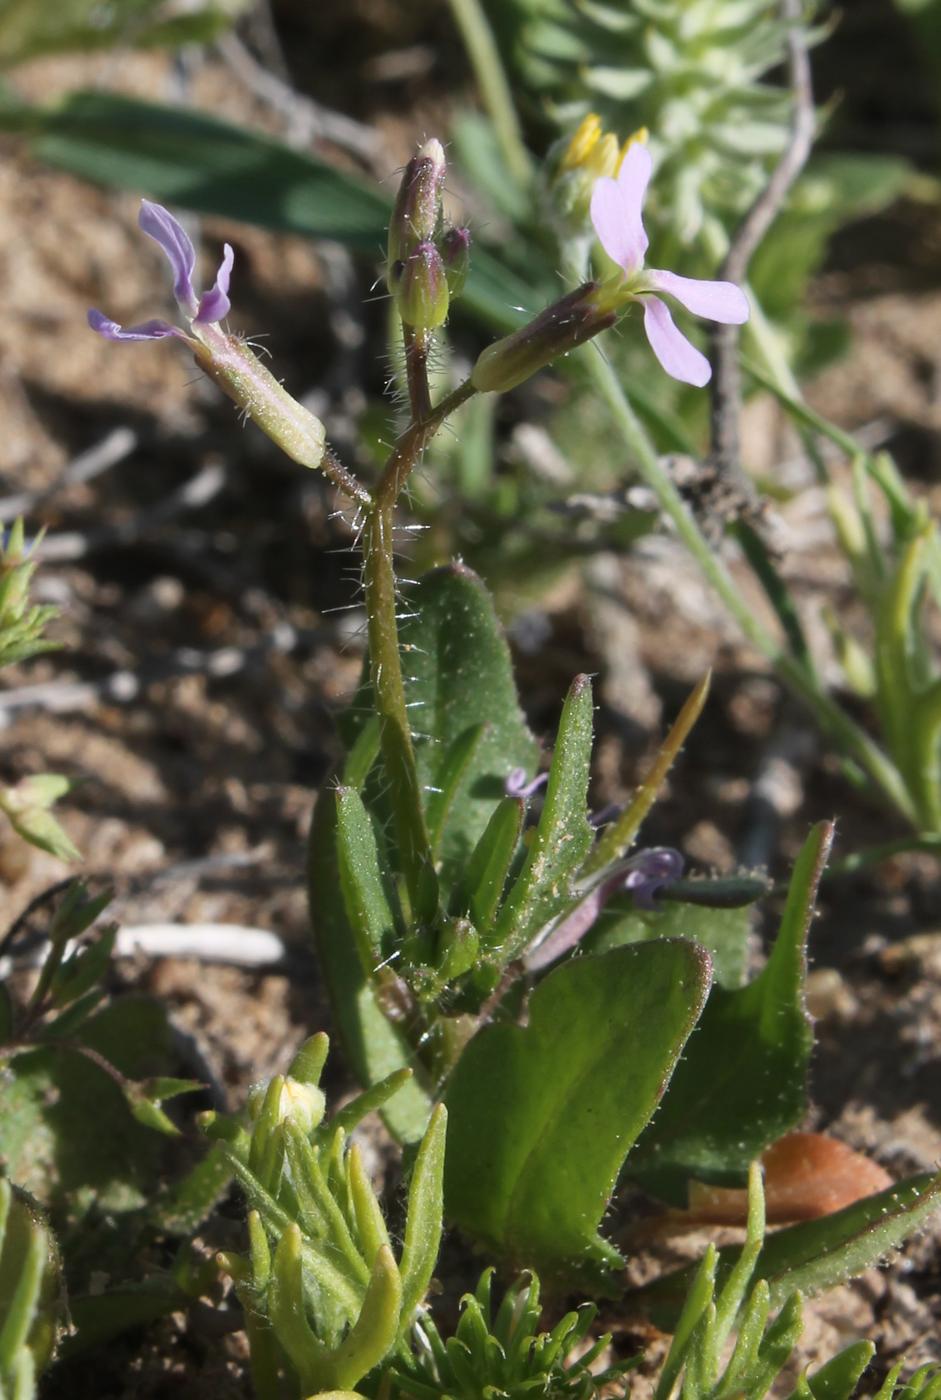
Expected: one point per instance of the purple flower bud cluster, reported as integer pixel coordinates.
(427, 260)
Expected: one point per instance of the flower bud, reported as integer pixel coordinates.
(417, 209)
(454, 246)
(240, 374)
(302, 1104)
(421, 291)
(554, 332)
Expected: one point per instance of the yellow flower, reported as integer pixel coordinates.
(595, 151)
(583, 141)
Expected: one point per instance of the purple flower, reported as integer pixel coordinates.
(616, 213)
(649, 871)
(644, 875)
(225, 358)
(516, 784)
(200, 311)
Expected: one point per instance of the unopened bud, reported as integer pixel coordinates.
(421, 291)
(458, 949)
(560, 328)
(455, 253)
(418, 202)
(240, 374)
(303, 1104)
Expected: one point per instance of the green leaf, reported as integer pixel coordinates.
(100, 1317)
(819, 1254)
(66, 1133)
(40, 828)
(452, 772)
(460, 679)
(541, 1117)
(816, 1254)
(189, 1200)
(838, 1378)
(29, 30)
(562, 838)
(482, 882)
(742, 1082)
(367, 908)
(480, 157)
(373, 1334)
(187, 157)
(723, 932)
(146, 1097)
(374, 1047)
(31, 1300)
(425, 1217)
(84, 969)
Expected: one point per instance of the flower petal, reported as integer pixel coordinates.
(215, 304)
(160, 225)
(650, 871)
(148, 330)
(717, 301)
(677, 356)
(617, 206)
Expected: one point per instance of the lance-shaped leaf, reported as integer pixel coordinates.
(562, 838)
(425, 1216)
(542, 1117)
(376, 1048)
(837, 1378)
(368, 911)
(374, 1332)
(742, 1083)
(816, 1254)
(31, 1300)
(483, 879)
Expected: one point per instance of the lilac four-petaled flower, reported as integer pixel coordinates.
(199, 310)
(617, 216)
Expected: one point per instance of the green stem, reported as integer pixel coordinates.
(383, 634)
(494, 88)
(389, 698)
(854, 739)
(409, 447)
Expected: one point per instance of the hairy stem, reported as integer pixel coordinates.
(389, 699)
(384, 655)
(417, 345)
